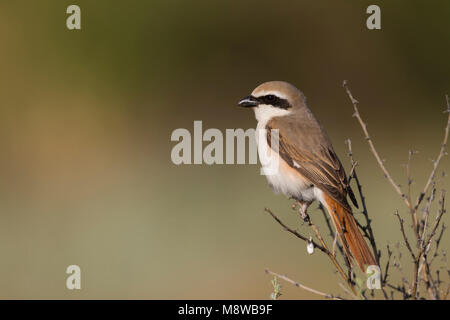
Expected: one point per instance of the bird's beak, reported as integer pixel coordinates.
(248, 102)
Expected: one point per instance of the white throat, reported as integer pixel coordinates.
(264, 112)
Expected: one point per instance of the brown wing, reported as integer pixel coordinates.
(309, 151)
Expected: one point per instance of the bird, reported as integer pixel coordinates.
(308, 168)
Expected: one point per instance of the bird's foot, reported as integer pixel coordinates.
(303, 211)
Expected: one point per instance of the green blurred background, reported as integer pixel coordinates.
(86, 119)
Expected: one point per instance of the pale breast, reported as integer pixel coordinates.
(282, 177)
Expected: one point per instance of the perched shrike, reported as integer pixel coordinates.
(308, 167)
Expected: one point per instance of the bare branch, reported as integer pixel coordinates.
(299, 285)
(438, 242)
(323, 247)
(374, 151)
(386, 270)
(333, 235)
(424, 219)
(438, 159)
(348, 292)
(421, 258)
(294, 232)
(436, 222)
(405, 238)
(408, 172)
(367, 229)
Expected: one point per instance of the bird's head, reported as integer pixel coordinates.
(273, 98)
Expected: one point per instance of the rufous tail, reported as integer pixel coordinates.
(349, 234)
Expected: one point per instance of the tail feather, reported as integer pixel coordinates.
(351, 238)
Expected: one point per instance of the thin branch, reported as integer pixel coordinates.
(427, 277)
(438, 242)
(408, 173)
(424, 219)
(386, 270)
(407, 198)
(426, 246)
(299, 285)
(367, 229)
(348, 292)
(374, 151)
(331, 255)
(421, 261)
(334, 245)
(438, 159)
(436, 222)
(294, 232)
(323, 247)
(333, 235)
(405, 238)
(402, 290)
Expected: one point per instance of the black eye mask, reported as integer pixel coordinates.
(275, 101)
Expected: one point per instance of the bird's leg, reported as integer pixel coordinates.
(303, 210)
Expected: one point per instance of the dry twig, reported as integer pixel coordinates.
(299, 285)
(419, 258)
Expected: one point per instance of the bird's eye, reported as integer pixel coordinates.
(270, 97)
